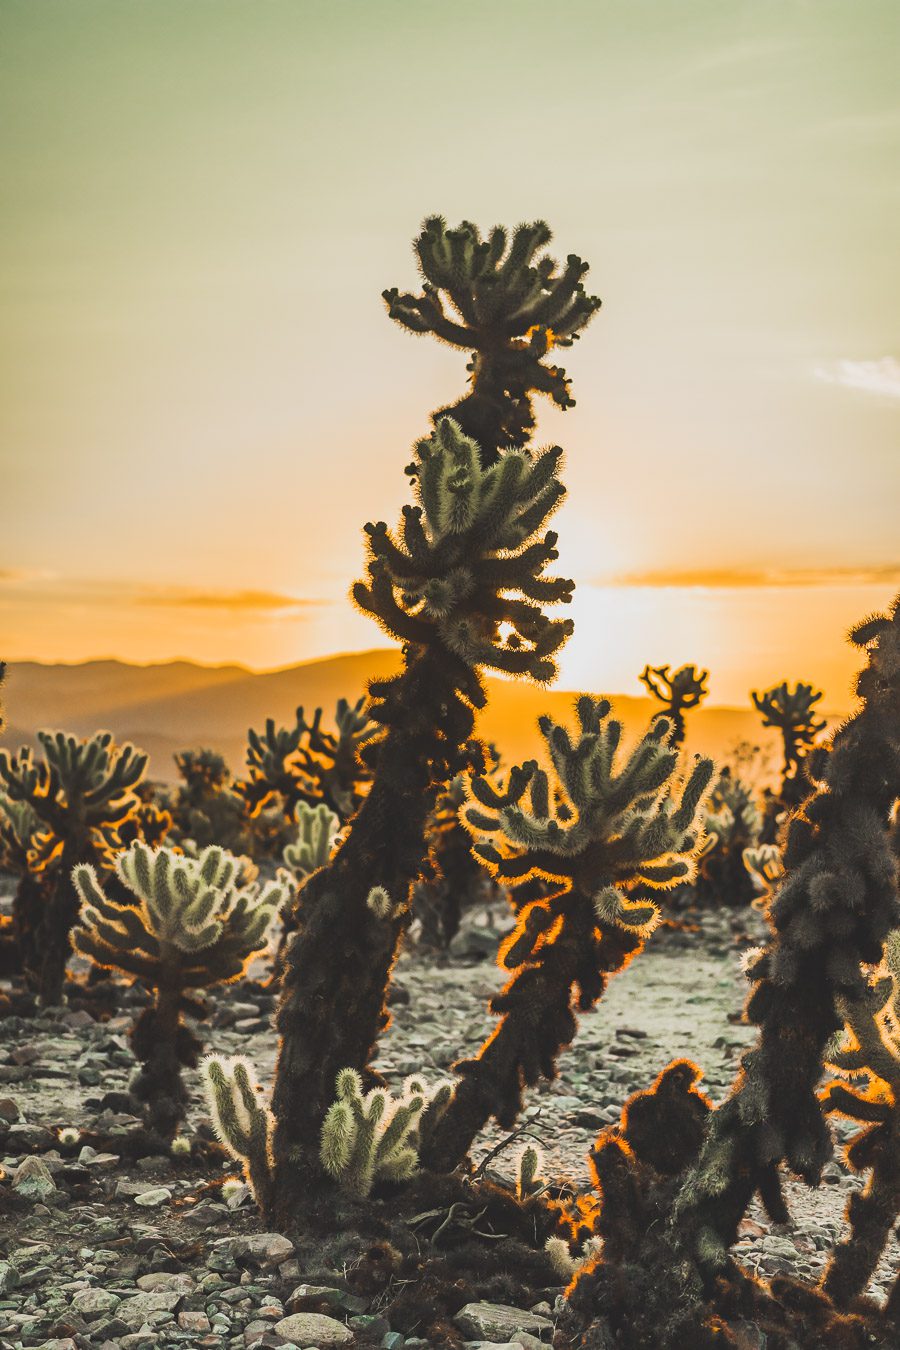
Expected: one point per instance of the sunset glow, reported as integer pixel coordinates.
(204, 399)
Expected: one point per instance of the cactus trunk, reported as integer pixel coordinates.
(337, 967)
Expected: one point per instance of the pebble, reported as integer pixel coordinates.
(314, 1329)
(152, 1199)
(32, 1179)
(498, 1321)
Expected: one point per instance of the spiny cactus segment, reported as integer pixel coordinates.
(242, 1120)
(870, 1046)
(371, 1137)
(603, 832)
(305, 763)
(467, 562)
(504, 301)
(677, 693)
(317, 829)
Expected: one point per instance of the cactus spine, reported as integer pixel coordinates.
(371, 1137)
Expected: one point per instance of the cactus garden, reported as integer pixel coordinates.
(486, 985)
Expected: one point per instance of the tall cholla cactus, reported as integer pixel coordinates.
(677, 693)
(242, 1120)
(871, 1046)
(193, 926)
(791, 711)
(461, 585)
(317, 830)
(82, 792)
(372, 1137)
(509, 308)
(831, 916)
(607, 828)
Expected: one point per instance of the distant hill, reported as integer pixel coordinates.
(169, 707)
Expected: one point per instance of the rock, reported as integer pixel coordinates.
(258, 1249)
(137, 1309)
(32, 1179)
(498, 1322)
(314, 1329)
(9, 1109)
(59, 1343)
(152, 1199)
(22, 1137)
(8, 1277)
(93, 1302)
(166, 1281)
(311, 1295)
(193, 1321)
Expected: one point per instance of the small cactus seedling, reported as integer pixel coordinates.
(317, 830)
(242, 1120)
(677, 693)
(607, 835)
(82, 793)
(509, 307)
(193, 925)
(372, 1137)
(791, 712)
(871, 1046)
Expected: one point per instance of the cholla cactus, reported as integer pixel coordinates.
(677, 693)
(528, 1170)
(18, 826)
(733, 825)
(317, 830)
(241, 1119)
(82, 792)
(607, 836)
(193, 926)
(764, 866)
(306, 763)
(790, 711)
(831, 916)
(372, 1137)
(208, 808)
(461, 585)
(870, 1046)
(511, 309)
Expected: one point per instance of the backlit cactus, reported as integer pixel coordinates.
(504, 301)
(371, 1137)
(461, 586)
(603, 831)
(791, 712)
(305, 763)
(317, 830)
(242, 1120)
(82, 793)
(870, 1046)
(733, 825)
(677, 693)
(193, 925)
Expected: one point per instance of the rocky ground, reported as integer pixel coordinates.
(103, 1250)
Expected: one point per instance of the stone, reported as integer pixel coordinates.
(94, 1302)
(22, 1136)
(137, 1309)
(499, 1322)
(32, 1179)
(152, 1199)
(167, 1281)
(259, 1249)
(8, 1277)
(193, 1321)
(9, 1109)
(314, 1329)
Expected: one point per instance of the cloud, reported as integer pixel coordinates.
(740, 578)
(868, 377)
(173, 598)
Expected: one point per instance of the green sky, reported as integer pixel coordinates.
(203, 399)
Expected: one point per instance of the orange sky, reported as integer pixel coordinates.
(203, 399)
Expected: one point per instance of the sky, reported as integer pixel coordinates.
(202, 399)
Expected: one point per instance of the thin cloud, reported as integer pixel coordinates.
(868, 377)
(743, 578)
(233, 600)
